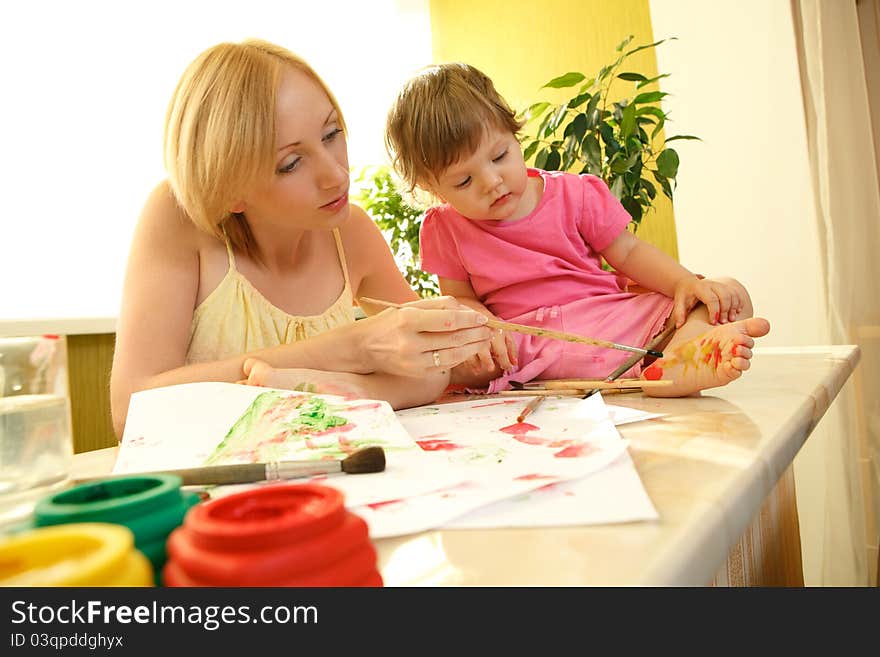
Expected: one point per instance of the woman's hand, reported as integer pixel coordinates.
(423, 336)
(722, 300)
(500, 353)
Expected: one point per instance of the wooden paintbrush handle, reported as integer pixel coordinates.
(604, 385)
(559, 335)
(532, 330)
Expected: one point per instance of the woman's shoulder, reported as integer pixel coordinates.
(164, 224)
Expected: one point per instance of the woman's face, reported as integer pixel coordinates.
(310, 182)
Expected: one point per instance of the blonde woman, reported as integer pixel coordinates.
(249, 256)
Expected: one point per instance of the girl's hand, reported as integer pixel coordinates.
(500, 353)
(423, 336)
(722, 300)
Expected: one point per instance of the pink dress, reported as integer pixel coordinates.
(544, 270)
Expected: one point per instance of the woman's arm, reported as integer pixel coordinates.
(159, 297)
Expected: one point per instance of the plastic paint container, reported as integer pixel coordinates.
(275, 535)
(81, 554)
(151, 506)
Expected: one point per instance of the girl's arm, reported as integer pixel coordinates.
(652, 268)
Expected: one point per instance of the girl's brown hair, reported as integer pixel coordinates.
(439, 116)
(220, 132)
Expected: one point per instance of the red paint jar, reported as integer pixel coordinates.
(277, 535)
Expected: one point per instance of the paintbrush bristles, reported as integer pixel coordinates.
(368, 459)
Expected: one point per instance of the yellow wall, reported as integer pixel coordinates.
(522, 44)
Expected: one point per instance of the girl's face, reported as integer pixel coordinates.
(491, 184)
(310, 183)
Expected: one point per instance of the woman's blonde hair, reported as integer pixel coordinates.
(220, 132)
(439, 116)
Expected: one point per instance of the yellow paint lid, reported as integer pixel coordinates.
(79, 554)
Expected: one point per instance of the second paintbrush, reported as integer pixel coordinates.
(542, 332)
(368, 459)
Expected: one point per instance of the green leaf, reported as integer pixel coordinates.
(568, 80)
(632, 77)
(540, 131)
(555, 121)
(628, 121)
(553, 161)
(667, 163)
(617, 187)
(541, 158)
(650, 45)
(593, 151)
(649, 97)
(530, 150)
(633, 207)
(579, 100)
(586, 86)
(579, 126)
(658, 127)
(534, 111)
(654, 111)
(611, 144)
(649, 187)
(623, 44)
(604, 71)
(650, 80)
(683, 137)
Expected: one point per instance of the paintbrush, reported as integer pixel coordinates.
(563, 392)
(530, 408)
(587, 384)
(368, 459)
(542, 332)
(632, 360)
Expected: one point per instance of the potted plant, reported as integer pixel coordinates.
(618, 140)
(399, 222)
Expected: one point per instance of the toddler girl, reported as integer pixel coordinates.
(524, 245)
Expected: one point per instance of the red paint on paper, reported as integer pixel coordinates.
(437, 445)
(533, 477)
(519, 427)
(497, 403)
(574, 451)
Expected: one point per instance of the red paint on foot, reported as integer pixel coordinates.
(654, 372)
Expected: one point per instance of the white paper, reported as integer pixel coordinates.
(614, 494)
(443, 461)
(181, 427)
(533, 460)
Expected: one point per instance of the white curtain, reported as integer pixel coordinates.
(839, 62)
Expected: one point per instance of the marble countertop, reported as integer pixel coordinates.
(707, 464)
(57, 326)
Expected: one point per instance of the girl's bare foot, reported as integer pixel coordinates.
(712, 359)
(260, 373)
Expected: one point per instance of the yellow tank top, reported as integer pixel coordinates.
(235, 318)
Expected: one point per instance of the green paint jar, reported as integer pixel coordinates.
(151, 506)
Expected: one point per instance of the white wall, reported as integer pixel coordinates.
(85, 88)
(744, 204)
(745, 207)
